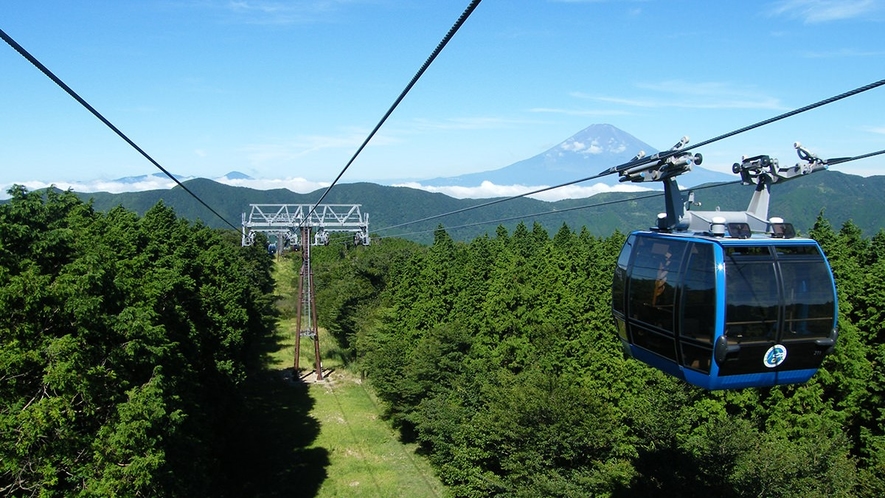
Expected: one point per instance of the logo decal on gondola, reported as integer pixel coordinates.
(775, 356)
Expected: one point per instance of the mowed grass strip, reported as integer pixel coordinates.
(362, 454)
(365, 456)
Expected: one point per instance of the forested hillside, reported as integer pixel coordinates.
(500, 358)
(840, 196)
(124, 339)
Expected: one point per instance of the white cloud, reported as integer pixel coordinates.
(620, 147)
(490, 190)
(303, 145)
(467, 123)
(691, 95)
(613, 147)
(818, 11)
(581, 147)
(303, 186)
(573, 146)
(845, 52)
(154, 182)
(298, 185)
(270, 12)
(147, 183)
(578, 112)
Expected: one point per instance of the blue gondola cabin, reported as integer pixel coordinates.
(725, 300)
(722, 312)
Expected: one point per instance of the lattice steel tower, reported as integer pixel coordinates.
(306, 314)
(281, 222)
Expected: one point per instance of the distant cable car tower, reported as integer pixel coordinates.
(282, 222)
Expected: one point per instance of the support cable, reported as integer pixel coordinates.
(829, 162)
(655, 157)
(565, 210)
(794, 112)
(840, 160)
(490, 203)
(469, 10)
(33, 60)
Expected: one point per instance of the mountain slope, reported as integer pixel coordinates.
(584, 154)
(839, 195)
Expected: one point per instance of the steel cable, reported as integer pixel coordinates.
(45, 70)
(454, 29)
(656, 157)
(834, 161)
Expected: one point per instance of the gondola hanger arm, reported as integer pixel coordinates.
(764, 169)
(660, 166)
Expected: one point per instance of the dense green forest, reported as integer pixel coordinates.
(124, 340)
(841, 196)
(499, 357)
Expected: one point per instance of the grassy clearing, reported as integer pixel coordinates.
(342, 448)
(365, 456)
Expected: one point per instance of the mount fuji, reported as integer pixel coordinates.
(586, 153)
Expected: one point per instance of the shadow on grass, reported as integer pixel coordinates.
(269, 453)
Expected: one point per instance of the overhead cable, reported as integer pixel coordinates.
(489, 203)
(565, 210)
(840, 160)
(469, 10)
(829, 162)
(638, 161)
(33, 60)
(794, 112)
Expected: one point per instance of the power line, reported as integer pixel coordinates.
(33, 60)
(656, 157)
(454, 29)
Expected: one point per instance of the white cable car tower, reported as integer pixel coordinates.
(283, 222)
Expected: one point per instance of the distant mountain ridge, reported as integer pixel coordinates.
(840, 196)
(598, 147)
(584, 154)
(152, 178)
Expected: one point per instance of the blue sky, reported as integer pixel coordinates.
(285, 91)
